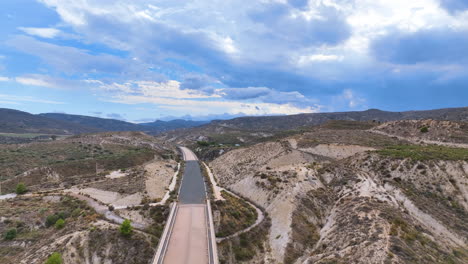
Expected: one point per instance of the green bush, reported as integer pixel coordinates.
(126, 228)
(51, 220)
(20, 188)
(60, 224)
(203, 143)
(10, 234)
(55, 258)
(424, 129)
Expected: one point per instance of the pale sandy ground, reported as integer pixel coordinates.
(171, 186)
(116, 174)
(216, 189)
(188, 242)
(158, 177)
(134, 216)
(336, 151)
(8, 196)
(108, 197)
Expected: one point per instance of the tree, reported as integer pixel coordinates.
(424, 129)
(60, 224)
(55, 258)
(20, 188)
(126, 228)
(53, 137)
(10, 234)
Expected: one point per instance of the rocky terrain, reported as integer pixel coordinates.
(92, 182)
(432, 131)
(251, 129)
(340, 193)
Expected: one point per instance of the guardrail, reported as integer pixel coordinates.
(212, 249)
(164, 241)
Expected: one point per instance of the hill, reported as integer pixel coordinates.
(19, 122)
(251, 129)
(102, 124)
(270, 123)
(173, 124)
(14, 121)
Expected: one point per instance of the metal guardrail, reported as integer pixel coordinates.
(164, 241)
(212, 248)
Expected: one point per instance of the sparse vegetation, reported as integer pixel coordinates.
(10, 234)
(430, 152)
(55, 258)
(159, 215)
(246, 246)
(126, 228)
(60, 223)
(20, 188)
(235, 213)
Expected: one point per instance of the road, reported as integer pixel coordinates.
(189, 240)
(192, 190)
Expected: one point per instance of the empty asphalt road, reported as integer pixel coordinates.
(189, 240)
(192, 190)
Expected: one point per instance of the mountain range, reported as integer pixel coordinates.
(14, 121)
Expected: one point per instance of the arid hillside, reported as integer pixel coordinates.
(76, 193)
(431, 131)
(340, 193)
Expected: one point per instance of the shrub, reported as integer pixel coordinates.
(51, 220)
(203, 143)
(55, 258)
(424, 129)
(10, 234)
(111, 208)
(60, 224)
(126, 228)
(20, 188)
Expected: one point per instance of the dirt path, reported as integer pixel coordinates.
(217, 193)
(260, 217)
(216, 189)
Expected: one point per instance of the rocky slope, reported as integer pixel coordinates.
(335, 195)
(93, 182)
(427, 130)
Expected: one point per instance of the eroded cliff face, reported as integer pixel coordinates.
(349, 204)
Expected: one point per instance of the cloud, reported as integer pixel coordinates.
(454, 6)
(264, 94)
(41, 32)
(350, 99)
(326, 25)
(14, 99)
(68, 59)
(319, 58)
(4, 79)
(47, 81)
(283, 55)
(248, 45)
(298, 3)
(170, 96)
(245, 93)
(440, 45)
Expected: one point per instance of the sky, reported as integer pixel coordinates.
(141, 60)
